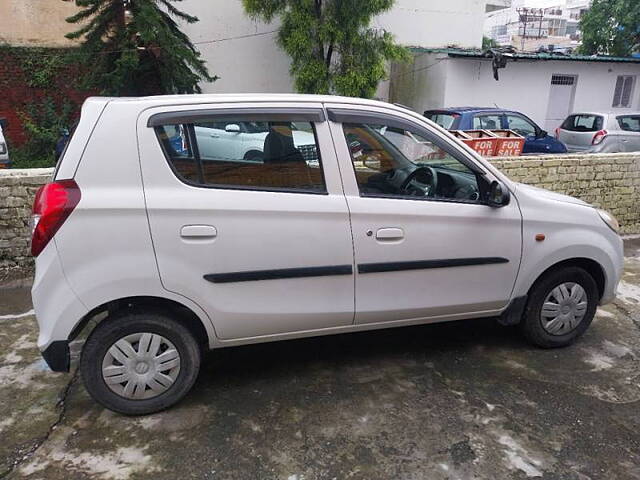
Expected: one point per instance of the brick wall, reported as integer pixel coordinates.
(17, 92)
(610, 181)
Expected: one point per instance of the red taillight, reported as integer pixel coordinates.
(558, 132)
(598, 137)
(54, 202)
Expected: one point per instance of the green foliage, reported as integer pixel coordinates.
(43, 121)
(611, 27)
(135, 47)
(488, 42)
(332, 47)
(40, 66)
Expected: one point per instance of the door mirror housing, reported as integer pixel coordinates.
(232, 128)
(542, 134)
(499, 195)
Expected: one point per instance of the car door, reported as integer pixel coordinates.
(442, 255)
(629, 126)
(487, 121)
(535, 142)
(264, 248)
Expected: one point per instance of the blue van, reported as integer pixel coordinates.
(474, 118)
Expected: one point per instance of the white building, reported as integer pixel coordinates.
(545, 87)
(244, 53)
(529, 26)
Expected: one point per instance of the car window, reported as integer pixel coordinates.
(629, 123)
(392, 161)
(271, 155)
(486, 122)
(583, 123)
(520, 125)
(445, 120)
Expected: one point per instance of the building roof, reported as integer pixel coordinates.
(471, 53)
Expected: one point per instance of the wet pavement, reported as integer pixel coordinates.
(452, 401)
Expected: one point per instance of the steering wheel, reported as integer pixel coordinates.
(415, 186)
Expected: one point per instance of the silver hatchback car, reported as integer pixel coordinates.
(601, 132)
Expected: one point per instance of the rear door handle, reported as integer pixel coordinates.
(198, 231)
(388, 234)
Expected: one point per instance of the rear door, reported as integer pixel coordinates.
(264, 247)
(422, 251)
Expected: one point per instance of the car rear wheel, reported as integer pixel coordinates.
(139, 363)
(560, 308)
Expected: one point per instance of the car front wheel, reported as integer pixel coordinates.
(139, 363)
(560, 308)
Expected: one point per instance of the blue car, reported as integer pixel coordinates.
(474, 118)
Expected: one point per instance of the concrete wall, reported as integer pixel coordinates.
(36, 22)
(610, 181)
(256, 63)
(523, 86)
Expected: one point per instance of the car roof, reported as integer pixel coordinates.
(470, 110)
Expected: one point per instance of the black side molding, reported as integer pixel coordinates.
(57, 356)
(426, 264)
(255, 275)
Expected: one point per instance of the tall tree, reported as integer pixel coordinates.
(611, 27)
(135, 47)
(331, 44)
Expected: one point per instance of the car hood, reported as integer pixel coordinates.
(541, 192)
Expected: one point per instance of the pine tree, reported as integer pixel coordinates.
(332, 47)
(134, 47)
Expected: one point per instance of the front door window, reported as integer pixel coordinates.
(394, 162)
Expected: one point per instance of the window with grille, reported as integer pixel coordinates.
(562, 79)
(624, 91)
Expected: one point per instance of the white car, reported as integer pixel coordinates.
(174, 253)
(4, 151)
(601, 132)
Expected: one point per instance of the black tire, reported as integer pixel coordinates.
(115, 328)
(532, 323)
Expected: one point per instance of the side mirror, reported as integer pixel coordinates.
(499, 195)
(232, 128)
(542, 134)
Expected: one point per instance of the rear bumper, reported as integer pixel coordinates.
(57, 356)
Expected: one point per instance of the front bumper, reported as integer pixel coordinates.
(57, 356)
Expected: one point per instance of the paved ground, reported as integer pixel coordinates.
(460, 400)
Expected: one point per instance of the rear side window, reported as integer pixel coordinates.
(445, 120)
(629, 123)
(583, 123)
(239, 153)
(486, 122)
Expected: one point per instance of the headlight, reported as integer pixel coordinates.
(609, 219)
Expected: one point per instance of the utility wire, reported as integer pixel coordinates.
(202, 42)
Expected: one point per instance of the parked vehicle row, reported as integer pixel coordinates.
(586, 132)
(179, 242)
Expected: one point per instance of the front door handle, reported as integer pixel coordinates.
(389, 234)
(198, 231)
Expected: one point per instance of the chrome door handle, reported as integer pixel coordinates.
(389, 234)
(198, 231)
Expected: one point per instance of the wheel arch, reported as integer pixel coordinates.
(591, 266)
(178, 311)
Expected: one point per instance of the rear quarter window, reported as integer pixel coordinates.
(445, 120)
(583, 123)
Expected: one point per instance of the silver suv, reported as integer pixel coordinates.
(356, 215)
(601, 132)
